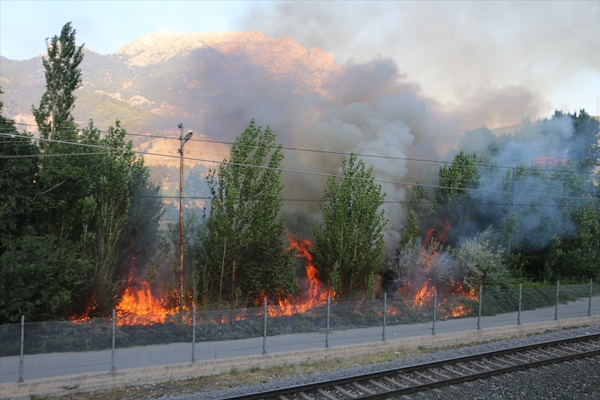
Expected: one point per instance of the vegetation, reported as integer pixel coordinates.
(63, 77)
(349, 244)
(70, 212)
(245, 258)
(80, 215)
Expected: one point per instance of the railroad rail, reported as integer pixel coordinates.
(423, 377)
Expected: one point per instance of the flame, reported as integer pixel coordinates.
(450, 295)
(86, 315)
(315, 293)
(138, 306)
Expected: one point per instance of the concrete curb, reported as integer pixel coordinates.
(81, 383)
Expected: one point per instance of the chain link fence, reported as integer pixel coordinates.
(31, 350)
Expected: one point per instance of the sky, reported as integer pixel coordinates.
(543, 53)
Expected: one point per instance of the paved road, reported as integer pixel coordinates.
(60, 364)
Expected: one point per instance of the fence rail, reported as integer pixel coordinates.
(31, 350)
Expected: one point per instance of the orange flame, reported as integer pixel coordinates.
(138, 306)
(315, 292)
(449, 294)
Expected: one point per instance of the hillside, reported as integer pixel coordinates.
(158, 81)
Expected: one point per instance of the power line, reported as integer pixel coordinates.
(339, 153)
(304, 172)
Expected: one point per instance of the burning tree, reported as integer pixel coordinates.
(245, 257)
(349, 243)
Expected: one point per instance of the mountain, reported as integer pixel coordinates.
(158, 81)
(165, 78)
(213, 83)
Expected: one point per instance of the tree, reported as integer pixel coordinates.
(142, 233)
(106, 210)
(349, 243)
(245, 258)
(18, 171)
(452, 201)
(63, 77)
(193, 236)
(41, 277)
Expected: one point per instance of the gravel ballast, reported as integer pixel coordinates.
(572, 380)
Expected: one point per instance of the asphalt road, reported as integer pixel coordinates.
(61, 364)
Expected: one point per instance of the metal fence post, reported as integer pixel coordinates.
(384, 316)
(590, 301)
(479, 313)
(327, 326)
(22, 355)
(194, 332)
(520, 300)
(556, 307)
(265, 328)
(434, 311)
(114, 332)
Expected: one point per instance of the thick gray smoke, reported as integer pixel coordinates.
(373, 106)
(532, 202)
(490, 62)
(368, 109)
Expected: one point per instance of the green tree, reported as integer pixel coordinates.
(105, 209)
(142, 233)
(18, 171)
(63, 77)
(193, 260)
(452, 200)
(41, 277)
(349, 243)
(245, 258)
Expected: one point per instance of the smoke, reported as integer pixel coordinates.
(525, 203)
(458, 51)
(367, 108)
(406, 91)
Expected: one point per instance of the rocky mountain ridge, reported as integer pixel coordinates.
(164, 78)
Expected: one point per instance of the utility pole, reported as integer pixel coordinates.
(182, 141)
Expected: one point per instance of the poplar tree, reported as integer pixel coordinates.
(349, 243)
(245, 257)
(63, 77)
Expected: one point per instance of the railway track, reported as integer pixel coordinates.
(422, 377)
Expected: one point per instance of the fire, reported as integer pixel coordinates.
(138, 306)
(315, 293)
(422, 297)
(419, 293)
(86, 315)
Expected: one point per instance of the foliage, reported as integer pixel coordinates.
(480, 262)
(40, 277)
(452, 200)
(63, 77)
(349, 242)
(139, 238)
(245, 258)
(417, 263)
(193, 236)
(18, 171)
(107, 211)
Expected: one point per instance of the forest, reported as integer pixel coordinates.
(82, 220)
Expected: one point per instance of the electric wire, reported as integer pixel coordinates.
(304, 172)
(330, 152)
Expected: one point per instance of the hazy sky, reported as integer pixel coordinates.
(458, 52)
